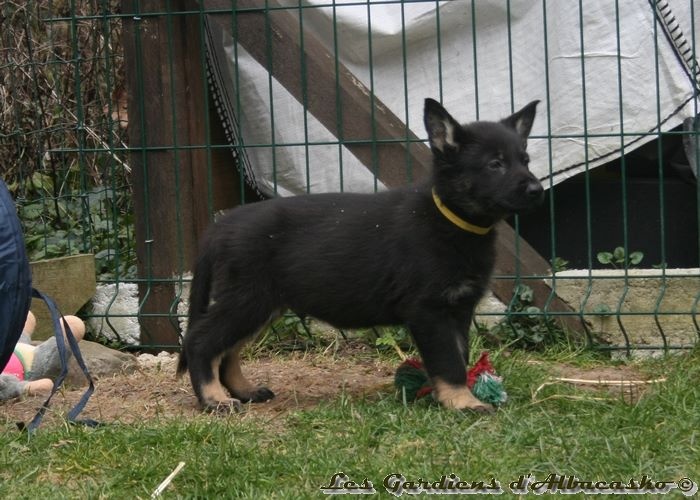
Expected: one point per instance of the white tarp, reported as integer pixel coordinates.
(635, 83)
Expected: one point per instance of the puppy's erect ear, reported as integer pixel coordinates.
(522, 120)
(441, 127)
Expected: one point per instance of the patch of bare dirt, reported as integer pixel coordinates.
(299, 380)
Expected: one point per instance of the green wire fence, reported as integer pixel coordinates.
(126, 126)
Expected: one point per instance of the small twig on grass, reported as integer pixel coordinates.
(608, 381)
(161, 487)
(569, 396)
(574, 381)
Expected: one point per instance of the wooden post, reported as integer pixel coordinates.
(272, 36)
(171, 164)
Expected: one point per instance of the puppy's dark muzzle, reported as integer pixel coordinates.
(534, 193)
(530, 195)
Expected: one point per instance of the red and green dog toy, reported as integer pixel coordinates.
(412, 380)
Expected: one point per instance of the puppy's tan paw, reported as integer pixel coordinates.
(231, 405)
(459, 397)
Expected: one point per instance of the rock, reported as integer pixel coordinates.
(114, 313)
(490, 310)
(101, 362)
(164, 361)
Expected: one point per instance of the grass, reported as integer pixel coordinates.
(374, 436)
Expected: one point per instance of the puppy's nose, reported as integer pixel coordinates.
(534, 191)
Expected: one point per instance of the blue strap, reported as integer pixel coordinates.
(56, 317)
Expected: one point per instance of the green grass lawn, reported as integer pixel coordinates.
(567, 430)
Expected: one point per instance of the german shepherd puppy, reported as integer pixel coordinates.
(420, 256)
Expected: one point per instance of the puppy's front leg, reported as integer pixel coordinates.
(438, 340)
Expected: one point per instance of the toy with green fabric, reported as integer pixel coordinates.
(413, 383)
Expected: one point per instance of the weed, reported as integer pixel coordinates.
(618, 258)
(526, 325)
(396, 338)
(99, 221)
(559, 264)
(288, 333)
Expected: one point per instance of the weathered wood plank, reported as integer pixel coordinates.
(69, 281)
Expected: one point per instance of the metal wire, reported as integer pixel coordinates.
(77, 158)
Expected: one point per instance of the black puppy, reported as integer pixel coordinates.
(420, 256)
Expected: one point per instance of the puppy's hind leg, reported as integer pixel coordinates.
(205, 344)
(232, 377)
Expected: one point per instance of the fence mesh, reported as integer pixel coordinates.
(127, 125)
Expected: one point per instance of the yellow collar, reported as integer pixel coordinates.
(456, 219)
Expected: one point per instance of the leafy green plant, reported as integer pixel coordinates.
(526, 325)
(98, 222)
(287, 333)
(396, 338)
(618, 258)
(559, 264)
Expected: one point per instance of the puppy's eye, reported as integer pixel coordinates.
(495, 164)
(525, 159)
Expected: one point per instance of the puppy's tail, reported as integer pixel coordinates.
(199, 299)
(181, 364)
